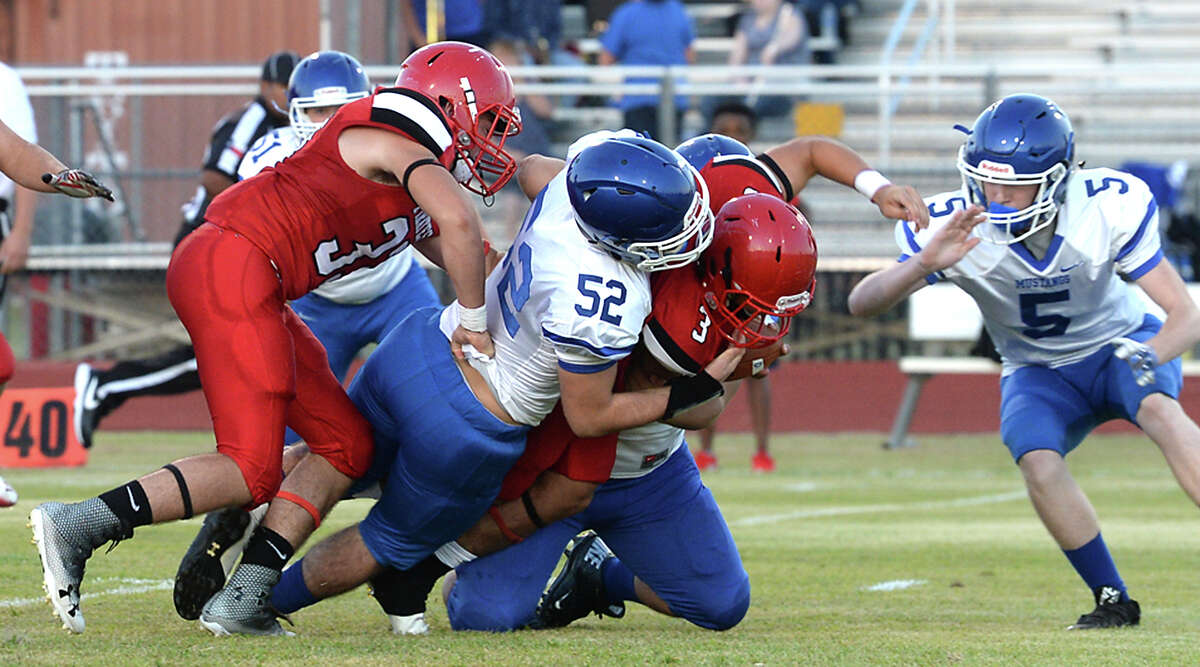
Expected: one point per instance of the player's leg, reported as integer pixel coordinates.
(759, 396)
(1155, 408)
(1044, 416)
(500, 591)
(98, 393)
(340, 443)
(705, 457)
(668, 511)
(227, 294)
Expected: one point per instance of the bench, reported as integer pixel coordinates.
(943, 312)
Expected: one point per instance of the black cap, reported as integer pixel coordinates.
(278, 66)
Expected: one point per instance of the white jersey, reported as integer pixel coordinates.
(556, 301)
(362, 286)
(641, 449)
(1062, 308)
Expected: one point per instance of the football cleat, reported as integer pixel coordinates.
(762, 462)
(1110, 611)
(8, 495)
(64, 545)
(86, 404)
(243, 606)
(578, 590)
(705, 460)
(211, 557)
(413, 624)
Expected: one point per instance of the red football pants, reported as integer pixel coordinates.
(6, 360)
(260, 366)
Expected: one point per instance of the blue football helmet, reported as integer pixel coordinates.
(1022, 139)
(641, 202)
(699, 151)
(323, 79)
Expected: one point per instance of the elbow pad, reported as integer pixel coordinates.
(688, 392)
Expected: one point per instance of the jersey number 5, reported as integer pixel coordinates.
(1043, 326)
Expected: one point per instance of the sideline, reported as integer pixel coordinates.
(871, 509)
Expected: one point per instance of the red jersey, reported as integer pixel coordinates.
(315, 217)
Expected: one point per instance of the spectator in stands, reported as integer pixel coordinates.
(738, 121)
(536, 23)
(648, 32)
(770, 32)
(97, 393)
(23, 162)
(828, 18)
(463, 21)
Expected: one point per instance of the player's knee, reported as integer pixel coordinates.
(725, 610)
(486, 617)
(1158, 410)
(1043, 469)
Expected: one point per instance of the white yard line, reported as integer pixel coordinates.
(895, 585)
(127, 587)
(872, 509)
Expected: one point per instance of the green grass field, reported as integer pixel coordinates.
(840, 517)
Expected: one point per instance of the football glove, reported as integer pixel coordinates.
(77, 183)
(1141, 359)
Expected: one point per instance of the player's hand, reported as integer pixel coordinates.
(901, 202)
(722, 367)
(953, 241)
(14, 252)
(480, 340)
(1141, 358)
(77, 183)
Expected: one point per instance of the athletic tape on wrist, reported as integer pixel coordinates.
(869, 182)
(688, 392)
(473, 319)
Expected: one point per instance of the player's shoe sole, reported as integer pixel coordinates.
(59, 580)
(201, 572)
(85, 404)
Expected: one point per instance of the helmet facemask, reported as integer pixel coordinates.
(482, 165)
(334, 96)
(746, 320)
(1007, 225)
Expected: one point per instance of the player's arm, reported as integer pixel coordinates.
(1181, 330)
(703, 415)
(535, 171)
(878, 292)
(593, 409)
(802, 157)
(25, 163)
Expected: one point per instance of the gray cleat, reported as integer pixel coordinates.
(243, 607)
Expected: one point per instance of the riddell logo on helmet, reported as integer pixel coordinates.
(788, 302)
(997, 167)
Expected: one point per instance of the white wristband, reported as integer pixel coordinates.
(869, 181)
(472, 319)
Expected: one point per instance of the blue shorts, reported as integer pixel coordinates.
(665, 527)
(345, 328)
(1055, 408)
(439, 454)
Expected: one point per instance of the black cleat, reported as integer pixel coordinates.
(87, 406)
(578, 590)
(202, 573)
(1110, 611)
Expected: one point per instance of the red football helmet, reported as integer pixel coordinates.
(760, 270)
(476, 92)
